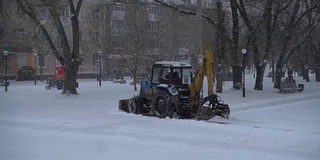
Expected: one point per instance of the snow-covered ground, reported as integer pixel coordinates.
(39, 124)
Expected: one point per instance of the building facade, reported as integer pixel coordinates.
(131, 30)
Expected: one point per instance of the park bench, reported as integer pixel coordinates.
(51, 83)
(2, 82)
(290, 87)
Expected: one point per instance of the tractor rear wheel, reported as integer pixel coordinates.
(161, 104)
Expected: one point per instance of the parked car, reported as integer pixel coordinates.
(26, 73)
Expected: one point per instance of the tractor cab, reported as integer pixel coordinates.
(171, 73)
(170, 76)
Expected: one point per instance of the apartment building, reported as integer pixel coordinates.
(116, 32)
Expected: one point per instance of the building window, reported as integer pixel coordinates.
(153, 14)
(153, 28)
(117, 27)
(120, 8)
(154, 10)
(95, 37)
(64, 12)
(20, 34)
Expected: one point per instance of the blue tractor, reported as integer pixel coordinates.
(165, 93)
(172, 91)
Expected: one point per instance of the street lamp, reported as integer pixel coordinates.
(35, 55)
(244, 51)
(5, 53)
(100, 67)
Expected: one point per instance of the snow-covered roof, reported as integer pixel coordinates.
(173, 63)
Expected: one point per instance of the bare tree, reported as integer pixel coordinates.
(317, 62)
(14, 35)
(269, 17)
(220, 46)
(287, 48)
(233, 42)
(42, 49)
(97, 37)
(136, 42)
(236, 67)
(69, 57)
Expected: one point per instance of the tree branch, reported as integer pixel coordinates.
(303, 14)
(289, 53)
(75, 11)
(188, 12)
(29, 10)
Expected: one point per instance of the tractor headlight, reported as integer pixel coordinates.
(174, 91)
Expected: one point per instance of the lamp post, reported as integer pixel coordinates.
(100, 67)
(244, 51)
(35, 55)
(5, 53)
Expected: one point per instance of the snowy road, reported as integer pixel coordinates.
(88, 128)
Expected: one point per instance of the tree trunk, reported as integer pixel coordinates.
(220, 48)
(41, 73)
(219, 79)
(259, 79)
(237, 77)
(278, 75)
(306, 59)
(236, 69)
(317, 64)
(318, 73)
(135, 82)
(70, 71)
(306, 74)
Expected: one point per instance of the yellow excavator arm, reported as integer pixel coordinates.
(210, 105)
(206, 68)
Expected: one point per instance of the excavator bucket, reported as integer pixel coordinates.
(205, 113)
(210, 107)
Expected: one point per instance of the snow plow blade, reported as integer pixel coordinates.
(136, 105)
(123, 105)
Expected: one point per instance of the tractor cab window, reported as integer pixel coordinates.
(172, 74)
(167, 75)
(186, 76)
(157, 74)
